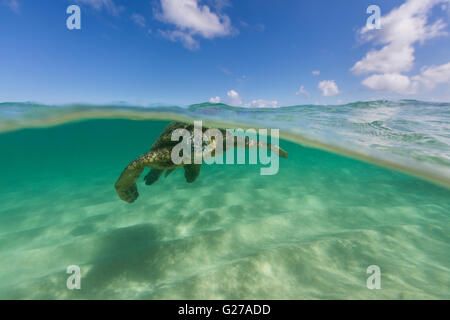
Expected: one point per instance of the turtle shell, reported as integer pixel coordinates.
(164, 140)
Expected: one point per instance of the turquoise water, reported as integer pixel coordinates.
(310, 231)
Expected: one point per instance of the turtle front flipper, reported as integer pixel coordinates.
(153, 176)
(191, 172)
(126, 184)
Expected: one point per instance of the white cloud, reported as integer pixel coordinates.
(234, 99)
(316, 72)
(139, 19)
(12, 4)
(109, 5)
(429, 78)
(393, 82)
(214, 100)
(242, 78)
(191, 19)
(432, 76)
(257, 27)
(260, 103)
(329, 88)
(302, 91)
(400, 30)
(446, 7)
(185, 38)
(219, 5)
(224, 70)
(392, 58)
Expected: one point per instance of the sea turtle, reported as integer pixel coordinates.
(158, 159)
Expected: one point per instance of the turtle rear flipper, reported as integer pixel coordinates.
(191, 172)
(169, 171)
(153, 176)
(251, 143)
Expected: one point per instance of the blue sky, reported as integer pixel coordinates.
(250, 52)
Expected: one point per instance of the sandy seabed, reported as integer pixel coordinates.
(309, 232)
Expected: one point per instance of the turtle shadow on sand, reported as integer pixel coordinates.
(124, 255)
